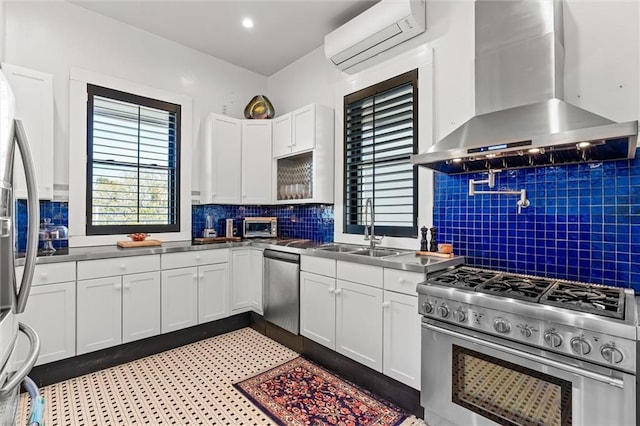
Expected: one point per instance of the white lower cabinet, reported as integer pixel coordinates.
(99, 313)
(115, 310)
(51, 311)
(179, 299)
(213, 292)
(257, 275)
(241, 280)
(401, 341)
(318, 308)
(359, 323)
(140, 306)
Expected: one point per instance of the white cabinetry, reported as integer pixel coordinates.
(318, 308)
(220, 161)
(34, 106)
(257, 272)
(303, 146)
(241, 276)
(118, 300)
(194, 288)
(256, 162)
(51, 311)
(359, 323)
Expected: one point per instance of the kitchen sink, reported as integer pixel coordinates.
(376, 252)
(340, 248)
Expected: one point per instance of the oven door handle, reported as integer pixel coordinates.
(531, 357)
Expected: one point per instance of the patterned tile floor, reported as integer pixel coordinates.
(185, 386)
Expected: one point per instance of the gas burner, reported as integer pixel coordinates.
(517, 286)
(599, 300)
(464, 277)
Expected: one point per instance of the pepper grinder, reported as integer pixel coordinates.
(423, 241)
(433, 246)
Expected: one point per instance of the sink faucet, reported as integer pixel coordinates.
(369, 229)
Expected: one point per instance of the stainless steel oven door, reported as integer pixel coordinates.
(467, 380)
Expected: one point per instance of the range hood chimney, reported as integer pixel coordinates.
(522, 120)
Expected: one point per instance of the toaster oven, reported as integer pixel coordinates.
(265, 227)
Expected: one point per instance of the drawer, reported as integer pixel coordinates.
(194, 258)
(50, 273)
(358, 273)
(402, 281)
(118, 266)
(318, 265)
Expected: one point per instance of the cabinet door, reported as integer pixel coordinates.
(213, 292)
(179, 296)
(256, 162)
(359, 323)
(34, 106)
(318, 308)
(99, 314)
(257, 270)
(51, 312)
(140, 306)
(225, 163)
(304, 129)
(240, 280)
(282, 136)
(401, 335)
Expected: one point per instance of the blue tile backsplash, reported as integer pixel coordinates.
(308, 221)
(57, 211)
(583, 222)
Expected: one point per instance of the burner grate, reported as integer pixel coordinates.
(517, 286)
(464, 277)
(590, 298)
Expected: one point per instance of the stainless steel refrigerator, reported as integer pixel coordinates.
(13, 297)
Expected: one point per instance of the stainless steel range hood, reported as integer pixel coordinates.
(521, 118)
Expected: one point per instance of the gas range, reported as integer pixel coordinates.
(583, 321)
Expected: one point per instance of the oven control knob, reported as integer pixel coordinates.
(580, 346)
(427, 307)
(502, 326)
(444, 311)
(460, 315)
(526, 330)
(552, 338)
(611, 354)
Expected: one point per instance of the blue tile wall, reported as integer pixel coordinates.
(309, 221)
(58, 212)
(583, 222)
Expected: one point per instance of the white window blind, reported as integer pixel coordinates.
(380, 137)
(133, 151)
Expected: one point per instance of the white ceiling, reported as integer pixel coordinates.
(284, 30)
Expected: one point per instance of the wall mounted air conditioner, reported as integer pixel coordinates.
(379, 28)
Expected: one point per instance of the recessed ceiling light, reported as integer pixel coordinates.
(584, 144)
(457, 160)
(247, 23)
(534, 150)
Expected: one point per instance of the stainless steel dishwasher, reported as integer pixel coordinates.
(281, 292)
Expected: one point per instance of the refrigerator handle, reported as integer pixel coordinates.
(34, 351)
(33, 214)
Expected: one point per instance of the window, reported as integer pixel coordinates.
(380, 135)
(133, 153)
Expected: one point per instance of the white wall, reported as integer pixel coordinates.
(602, 74)
(3, 28)
(55, 36)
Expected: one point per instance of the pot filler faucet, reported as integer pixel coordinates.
(522, 203)
(369, 230)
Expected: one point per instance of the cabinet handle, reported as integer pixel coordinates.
(201, 276)
(386, 305)
(117, 286)
(195, 277)
(44, 275)
(197, 257)
(338, 291)
(402, 280)
(127, 286)
(123, 266)
(332, 290)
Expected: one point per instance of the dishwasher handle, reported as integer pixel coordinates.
(282, 256)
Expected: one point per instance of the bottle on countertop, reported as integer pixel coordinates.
(433, 244)
(424, 244)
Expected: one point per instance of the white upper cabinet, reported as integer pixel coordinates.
(302, 130)
(221, 158)
(256, 162)
(282, 135)
(34, 106)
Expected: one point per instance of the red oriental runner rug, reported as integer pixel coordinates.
(301, 393)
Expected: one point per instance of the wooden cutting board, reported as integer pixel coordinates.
(203, 240)
(435, 254)
(145, 243)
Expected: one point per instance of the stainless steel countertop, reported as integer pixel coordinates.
(406, 261)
